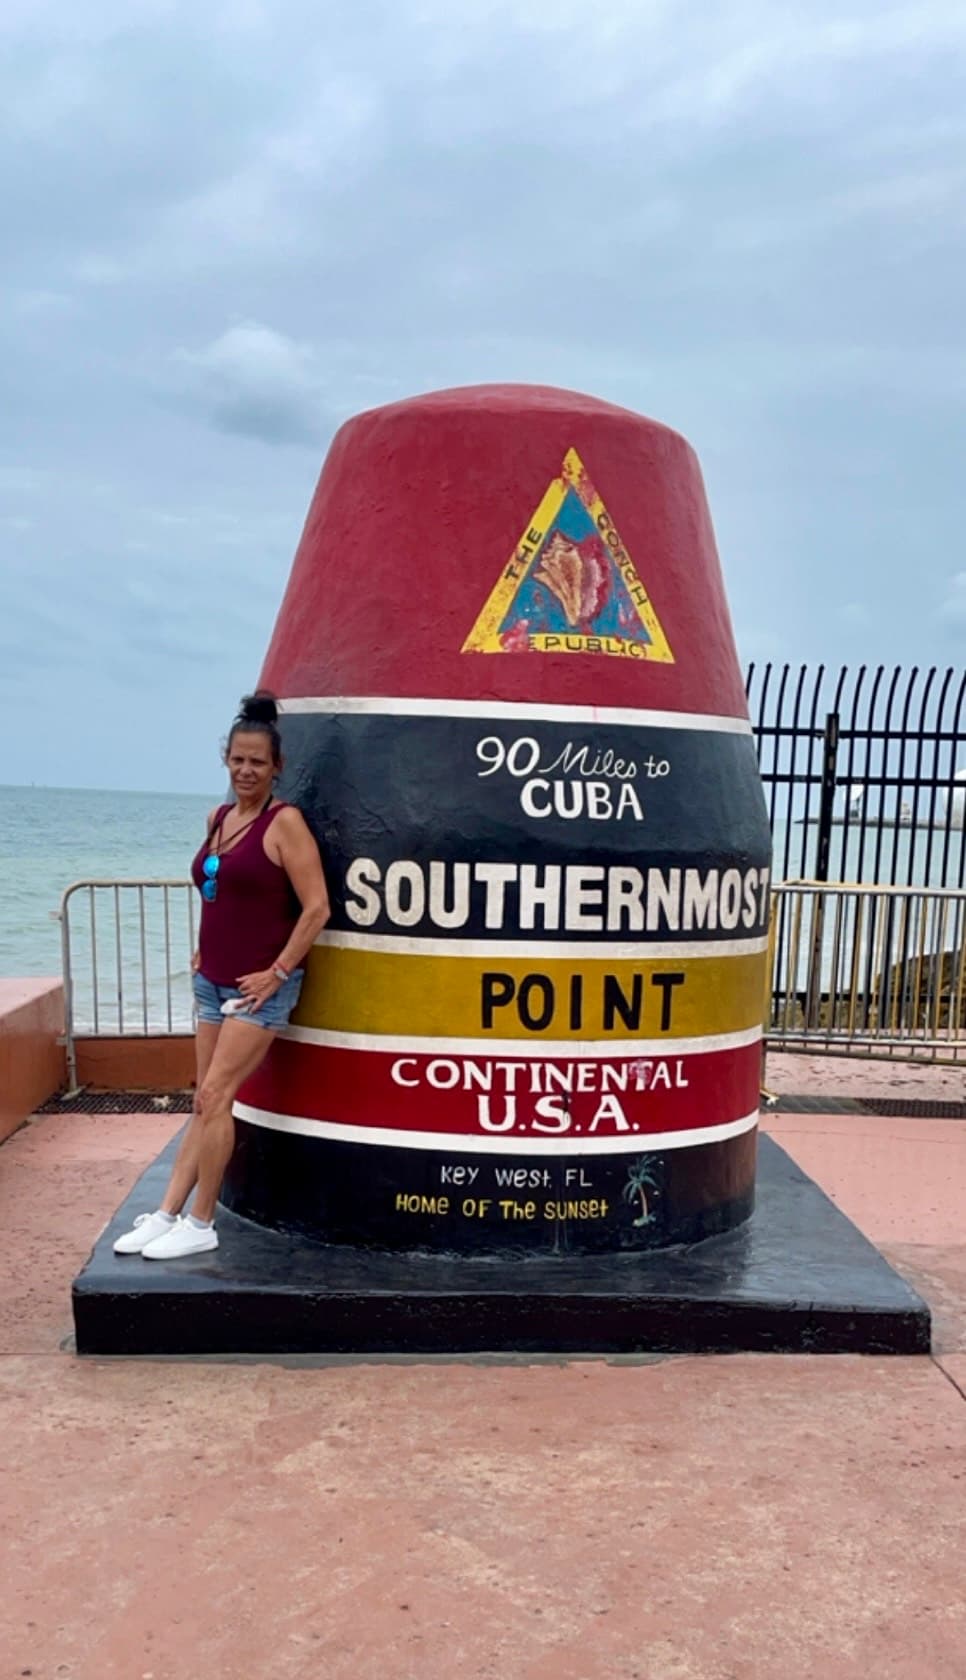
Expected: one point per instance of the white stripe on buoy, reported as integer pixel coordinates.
(391, 706)
(473, 1144)
(522, 1049)
(639, 950)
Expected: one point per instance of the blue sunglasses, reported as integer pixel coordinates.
(210, 868)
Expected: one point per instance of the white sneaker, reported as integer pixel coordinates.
(180, 1239)
(146, 1227)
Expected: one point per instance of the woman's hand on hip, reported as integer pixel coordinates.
(258, 987)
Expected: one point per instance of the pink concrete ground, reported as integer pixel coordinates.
(851, 1076)
(741, 1518)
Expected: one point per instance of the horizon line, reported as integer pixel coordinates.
(59, 787)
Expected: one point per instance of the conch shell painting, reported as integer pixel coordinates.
(570, 585)
(577, 574)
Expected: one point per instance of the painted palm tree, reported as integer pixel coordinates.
(641, 1178)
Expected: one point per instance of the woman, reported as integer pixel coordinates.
(263, 903)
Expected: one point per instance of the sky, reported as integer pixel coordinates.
(228, 227)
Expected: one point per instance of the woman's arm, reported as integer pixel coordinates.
(300, 859)
(298, 855)
(196, 953)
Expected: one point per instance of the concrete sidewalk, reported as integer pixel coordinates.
(743, 1518)
(853, 1076)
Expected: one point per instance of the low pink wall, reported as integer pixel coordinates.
(32, 1062)
(136, 1064)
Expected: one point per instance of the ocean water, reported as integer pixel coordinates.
(131, 952)
(52, 837)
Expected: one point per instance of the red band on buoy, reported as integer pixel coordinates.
(494, 1100)
(423, 506)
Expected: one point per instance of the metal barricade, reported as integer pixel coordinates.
(854, 969)
(863, 771)
(126, 950)
(869, 971)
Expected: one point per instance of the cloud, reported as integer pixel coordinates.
(224, 231)
(855, 615)
(43, 304)
(21, 481)
(256, 382)
(952, 611)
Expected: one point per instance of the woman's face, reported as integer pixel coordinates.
(249, 762)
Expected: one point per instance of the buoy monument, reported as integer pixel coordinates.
(516, 1108)
(513, 714)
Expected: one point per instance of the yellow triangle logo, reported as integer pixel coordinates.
(570, 585)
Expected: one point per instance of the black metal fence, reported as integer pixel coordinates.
(864, 772)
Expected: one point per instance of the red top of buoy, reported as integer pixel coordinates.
(509, 542)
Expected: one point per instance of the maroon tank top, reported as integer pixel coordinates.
(247, 926)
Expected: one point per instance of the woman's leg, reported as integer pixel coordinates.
(241, 1047)
(184, 1173)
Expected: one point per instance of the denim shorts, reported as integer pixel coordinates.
(273, 1015)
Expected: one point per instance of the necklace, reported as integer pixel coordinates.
(215, 846)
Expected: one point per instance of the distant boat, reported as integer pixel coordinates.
(857, 818)
(955, 805)
(952, 814)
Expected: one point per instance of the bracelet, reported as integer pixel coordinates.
(280, 973)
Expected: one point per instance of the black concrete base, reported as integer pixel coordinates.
(798, 1278)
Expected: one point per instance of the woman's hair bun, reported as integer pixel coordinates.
(258, 708)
